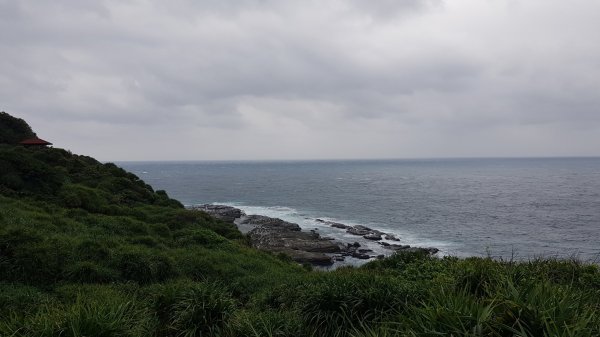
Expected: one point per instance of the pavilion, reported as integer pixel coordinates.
(35, 141)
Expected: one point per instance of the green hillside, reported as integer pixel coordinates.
(88, 249)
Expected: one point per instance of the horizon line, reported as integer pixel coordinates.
(348, 159)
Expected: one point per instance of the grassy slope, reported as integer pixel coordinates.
(87, 249)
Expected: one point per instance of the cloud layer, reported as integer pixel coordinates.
(265, 79)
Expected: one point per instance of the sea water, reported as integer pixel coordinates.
(505, 208)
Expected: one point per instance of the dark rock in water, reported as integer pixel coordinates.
(433, 250)
(301, 256)
(355, 244)
(383, 243)
(396, 247)
(222, 212)
(360, 256)
(338, 225)
(409, 249)
(357, 230)
(276, 235)
(380, 257)
(267, 222)
(365, 250)
(339, 258)
(373, 236)
(320, 220)
(391, 237)
(269, 238)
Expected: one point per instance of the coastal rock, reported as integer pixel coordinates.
(360, 256)
(338, 225)
(301, 256)
(221, 212)
(396, 247)
(268, 222)
(355, 244)
(391, 237)
(373, 236)
(409, 249)
(276, 235)
(358, 230)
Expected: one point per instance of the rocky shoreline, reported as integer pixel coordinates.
(279, 236)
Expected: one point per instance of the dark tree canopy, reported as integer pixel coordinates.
(13, 130)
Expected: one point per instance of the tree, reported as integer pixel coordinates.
(13, 130)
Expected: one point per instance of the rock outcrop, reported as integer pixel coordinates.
(276, 235)
(280, 236)
(221, 212)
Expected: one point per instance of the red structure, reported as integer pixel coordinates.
(35, 141)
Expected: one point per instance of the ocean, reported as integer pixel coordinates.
(504, 208)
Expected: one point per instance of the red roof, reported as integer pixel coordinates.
(35, 141)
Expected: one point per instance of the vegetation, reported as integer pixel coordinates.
(13, 130)
(88, 249)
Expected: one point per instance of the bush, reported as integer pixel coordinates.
(192, 308)
(267, 323)
(21, 299)
(90, 272)
(100, 317)
(144, 266)
(335, 303)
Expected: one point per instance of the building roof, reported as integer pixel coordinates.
(35, 141)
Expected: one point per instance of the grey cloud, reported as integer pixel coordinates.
(252, 70)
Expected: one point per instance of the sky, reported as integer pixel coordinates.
(328, 79)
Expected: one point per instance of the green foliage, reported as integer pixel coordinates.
(90, 315)
(13, 130)
(142, 266)
(192, 308)
(268, 323)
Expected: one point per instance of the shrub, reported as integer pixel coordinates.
(269, 323)
(20, 299)
(92, 251)
(90, 272)
(145, 267)
(187, 308)
(102, 317)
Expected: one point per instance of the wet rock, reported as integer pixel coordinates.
(396, 247)
(373, 236)
(270, 239)
(301, 256)
(222, 212)
(338, 258)
(357, 230)
(365, 250)
(380, 257)
(360, 256)
(383, 243)
(391, 237)
(409, 249)
(268, 222)
(338, 225)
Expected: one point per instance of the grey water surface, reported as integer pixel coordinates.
(509, 208)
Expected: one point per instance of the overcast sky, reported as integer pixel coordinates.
(274, 79)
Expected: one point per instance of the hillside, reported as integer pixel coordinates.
(88, 249)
